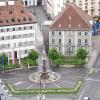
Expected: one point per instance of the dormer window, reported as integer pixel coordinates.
(30, 19)
(1, 21)
(24, 19)
(22, 11)
(10, 12)
(70, 17)
(18, 20)
(69, 25)
(7, 21)
(13, 20)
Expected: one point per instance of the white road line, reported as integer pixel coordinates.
(56, 85)
(11, 78)
(73, 77)
(30, 86)
(68, 72)
(20, 82)
(68, 82)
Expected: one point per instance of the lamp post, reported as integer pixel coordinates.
(1, 95)
(44, 74)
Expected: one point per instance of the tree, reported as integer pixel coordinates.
(81, 53)
(53, 54)
(33, 55)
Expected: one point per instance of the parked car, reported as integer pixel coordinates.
(86, 98)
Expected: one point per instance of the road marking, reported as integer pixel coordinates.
(11, 78)
(68, 82)
(56, 85)
(30, 86)
(18, 83)
(73, 77)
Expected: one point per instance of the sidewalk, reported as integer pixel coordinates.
(92, 59)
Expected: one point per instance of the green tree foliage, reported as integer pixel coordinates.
(33, 55)
(53, 54)
(81, 53)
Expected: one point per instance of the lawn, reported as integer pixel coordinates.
(69, 60)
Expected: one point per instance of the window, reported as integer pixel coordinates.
(2, 30)
(53, 41)
(59, 41)
(30, 19)
(19, 20)
(79, 41)
(59, 33)
(13, 29)
(79, 33)
(30, 27)
(22, 11)
(86, 33)
(59, 48)
(53, 33)
(86, 41)
(13, 20)
(24, 19)
(24, 28)
(1, 21)
(10, 12)
(7, 21)
(7, 29)
(19, 28)
(69, 41)
(2, 38)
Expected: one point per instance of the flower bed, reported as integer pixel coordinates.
(16, 91)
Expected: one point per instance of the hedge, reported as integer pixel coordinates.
(13, 90)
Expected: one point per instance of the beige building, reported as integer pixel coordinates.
(70, 30)
(92, 7)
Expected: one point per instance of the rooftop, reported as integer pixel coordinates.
(13, 12)
(71, 18)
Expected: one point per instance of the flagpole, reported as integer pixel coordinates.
(8, 58)
(2, 59)
(19, 58)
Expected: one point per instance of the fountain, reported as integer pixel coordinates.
(45, 76)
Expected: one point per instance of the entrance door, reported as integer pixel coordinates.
(26, 3)
(15, 54)
(39, 2)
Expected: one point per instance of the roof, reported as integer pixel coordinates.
(71, 18)
(15, 14)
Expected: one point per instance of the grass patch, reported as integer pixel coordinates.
(27, 60)
(70, 60)
(13, 90)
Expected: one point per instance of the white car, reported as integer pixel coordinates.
(86, 98)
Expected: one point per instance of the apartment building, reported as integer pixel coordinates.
(91, 7)
(17, 29)
(70, 30)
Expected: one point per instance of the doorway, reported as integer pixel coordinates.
(26, 3)
(39, 2)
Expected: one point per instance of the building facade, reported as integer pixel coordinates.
(17, 29)
(70, 30)
(91, 7)
(57, 6)
(46, 3)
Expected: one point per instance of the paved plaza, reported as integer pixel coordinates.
(69, 77)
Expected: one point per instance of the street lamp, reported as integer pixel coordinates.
(1, 95)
